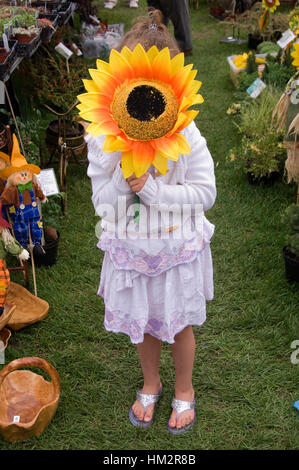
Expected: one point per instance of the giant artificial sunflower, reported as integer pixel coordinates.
(140, 101)
(270, 5)
(295, 55)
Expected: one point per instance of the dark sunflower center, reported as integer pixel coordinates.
(145, 103)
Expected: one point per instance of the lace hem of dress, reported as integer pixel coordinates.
(150, 265)
(115, 323)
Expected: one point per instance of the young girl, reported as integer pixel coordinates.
(155, 288)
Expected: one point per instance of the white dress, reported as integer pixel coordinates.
(150, 285)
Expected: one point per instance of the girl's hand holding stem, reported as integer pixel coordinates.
(136, 184)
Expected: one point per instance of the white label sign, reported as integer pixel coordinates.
(256, 88)
(287, 37)
(63, 50)
(48, 182)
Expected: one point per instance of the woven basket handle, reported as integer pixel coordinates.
(32, 362)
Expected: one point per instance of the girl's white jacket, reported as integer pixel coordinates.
(189, 181)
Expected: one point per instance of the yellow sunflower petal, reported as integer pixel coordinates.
(182, 118)
(90, 86)
(93, 129)
(162, 66)
(190, 116)
(140, 62)
(143, 156)
(93, 100)
(190, 101)
(120, 67)
(127, 53)
(180, 80)
(177, 63)
(115, 144)
(152, 53)
(167, 146)
(103, 66)
(182, 142)
(106, 82)
(95, 115)
(127, 164)
(160, 162)
(103, 128)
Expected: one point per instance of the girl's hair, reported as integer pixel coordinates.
(150, 31)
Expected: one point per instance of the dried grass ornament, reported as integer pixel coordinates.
(140, 101)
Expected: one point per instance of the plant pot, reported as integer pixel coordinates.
(47, 32)
(51, 251)
(266, 180)
(27, 45)
(291, 265)
(254, 41)
(72, 139)
(6, 58)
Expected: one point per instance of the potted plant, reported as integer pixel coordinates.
(291, 249)
(261, 153)
(56, 87)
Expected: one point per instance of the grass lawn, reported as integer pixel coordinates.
(244, 380)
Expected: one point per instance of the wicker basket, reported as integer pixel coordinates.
(28, 402)
(28, 308)
(5, 334)
(6, 315)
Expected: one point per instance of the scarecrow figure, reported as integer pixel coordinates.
(4, 162)
(8, 245)
(286, 114)
(20, 195)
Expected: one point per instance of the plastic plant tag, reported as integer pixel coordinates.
(296, 405)
(63, 50)
(16, 419)
(5, 42)
(287, 37)
(256, 88)
(76, 49)
(6, 29)
(2, 93)
(48, 182)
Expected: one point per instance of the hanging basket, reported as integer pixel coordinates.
(28, 402)
(5, 334)
(6, 315)
(28, 308)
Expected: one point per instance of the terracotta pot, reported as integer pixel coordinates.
(28, 402)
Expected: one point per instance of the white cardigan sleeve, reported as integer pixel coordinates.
(107, 179)
(199, 186)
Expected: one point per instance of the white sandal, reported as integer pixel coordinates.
(146, 400)
(180, 406)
